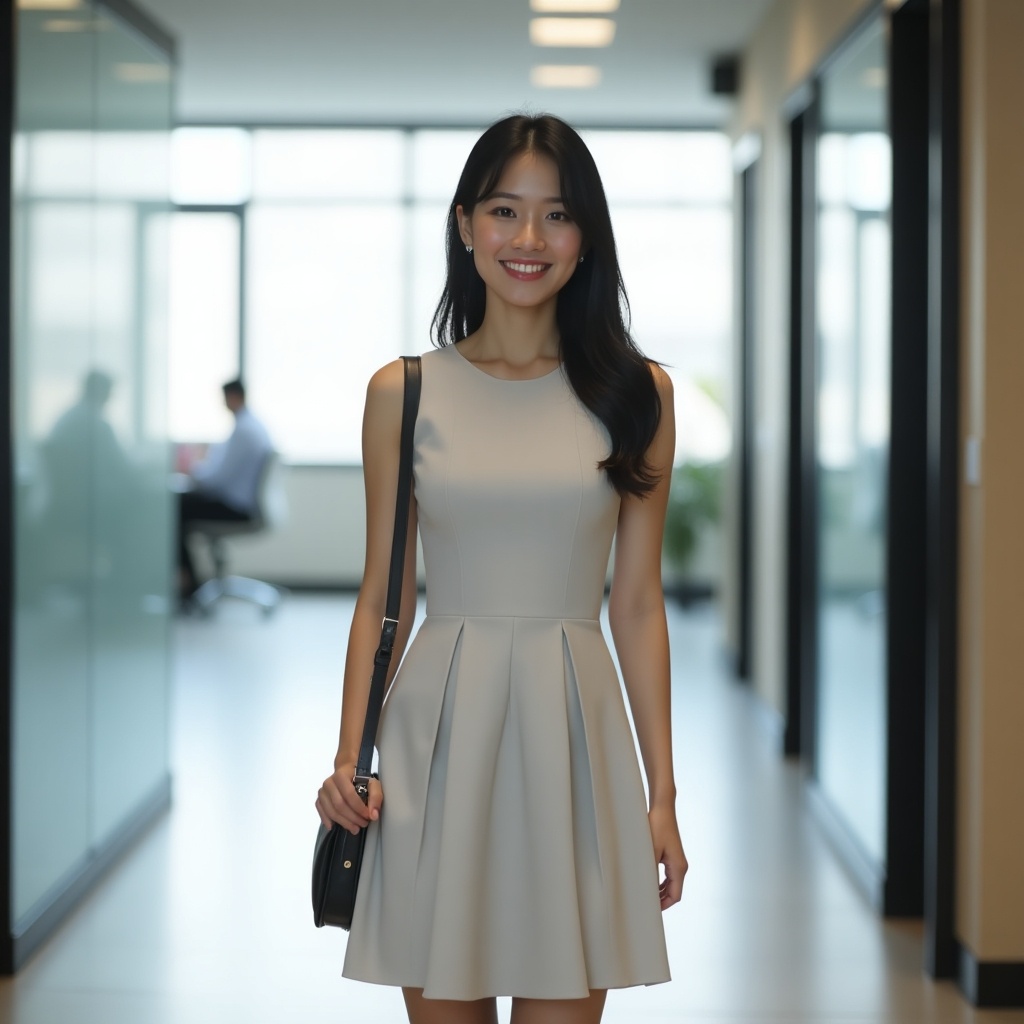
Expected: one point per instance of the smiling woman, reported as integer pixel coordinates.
(521, 232)
(516, 853)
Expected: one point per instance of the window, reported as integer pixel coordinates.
(203, 322)
(344, 233)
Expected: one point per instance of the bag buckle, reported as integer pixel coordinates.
(362, 784)
(389, 630)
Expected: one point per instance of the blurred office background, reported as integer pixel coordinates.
(814, 203)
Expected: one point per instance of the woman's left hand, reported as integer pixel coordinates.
(668, 850)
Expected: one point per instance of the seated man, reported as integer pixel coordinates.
(225, 484)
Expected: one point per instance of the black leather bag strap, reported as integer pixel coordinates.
(389, 628)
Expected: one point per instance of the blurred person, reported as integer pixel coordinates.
(224, 484)
(87, 481)
(81, 436)
(510, 847)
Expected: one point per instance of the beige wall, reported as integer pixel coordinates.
(991, 806)
(323, 539)
(793, 37)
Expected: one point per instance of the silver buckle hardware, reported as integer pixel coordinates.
(389, 629)
(362, 784)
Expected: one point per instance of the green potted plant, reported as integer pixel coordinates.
(694, 502)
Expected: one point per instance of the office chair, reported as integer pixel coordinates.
(272, 513)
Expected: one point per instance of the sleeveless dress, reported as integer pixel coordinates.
(513, 854)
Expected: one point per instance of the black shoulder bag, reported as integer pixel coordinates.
(338, 853)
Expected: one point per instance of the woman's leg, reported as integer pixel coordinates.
(448, 1011)
(560, 1011)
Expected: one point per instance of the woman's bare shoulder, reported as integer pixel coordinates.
(662, 381)
(387, 382)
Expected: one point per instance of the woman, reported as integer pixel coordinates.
(510, 849)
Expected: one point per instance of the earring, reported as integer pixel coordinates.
(469, 248)
(581, 259)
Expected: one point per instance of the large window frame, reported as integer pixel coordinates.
(410, 203)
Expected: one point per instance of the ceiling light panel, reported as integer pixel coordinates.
(48, 5)
(574, 6)
(572, 31)
(565, 76)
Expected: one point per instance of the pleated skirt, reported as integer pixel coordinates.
(513, 854)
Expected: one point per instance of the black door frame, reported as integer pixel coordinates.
(802, 508)
(922, 563)
(942, 959)
(7, 118)
(745, 164)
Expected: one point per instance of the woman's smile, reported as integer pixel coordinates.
(523, 270)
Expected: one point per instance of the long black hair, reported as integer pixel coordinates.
(603, 364)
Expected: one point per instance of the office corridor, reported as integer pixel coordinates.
(208, 920)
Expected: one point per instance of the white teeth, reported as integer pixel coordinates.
(525, 268)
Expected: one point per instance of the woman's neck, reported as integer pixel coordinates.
(517, 335)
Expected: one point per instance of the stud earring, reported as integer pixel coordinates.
(469, 248)
(581, 259)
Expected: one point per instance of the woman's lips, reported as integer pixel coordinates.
(525, 270)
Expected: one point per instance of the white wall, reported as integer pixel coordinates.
(323, 540)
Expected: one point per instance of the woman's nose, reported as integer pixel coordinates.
(529, 237)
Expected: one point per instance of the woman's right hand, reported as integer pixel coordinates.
(337, 802)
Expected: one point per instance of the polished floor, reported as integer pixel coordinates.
(208, 920)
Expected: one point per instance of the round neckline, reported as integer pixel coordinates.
(503, 380)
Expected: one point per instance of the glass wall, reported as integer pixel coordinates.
(853, 354)
(92, 517)
(341, 245)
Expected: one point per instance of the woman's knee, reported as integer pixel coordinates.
(448, 1011)
(560, 1011)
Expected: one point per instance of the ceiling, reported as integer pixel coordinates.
(441, 62)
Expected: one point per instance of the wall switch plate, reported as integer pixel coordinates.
(972, 461)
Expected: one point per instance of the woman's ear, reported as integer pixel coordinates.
(465, 223)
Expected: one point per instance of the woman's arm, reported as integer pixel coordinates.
(382, 428)
(636, 612)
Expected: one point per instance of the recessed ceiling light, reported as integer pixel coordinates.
(572, 31)
(565, 76)
(574, 6)
(49, 5)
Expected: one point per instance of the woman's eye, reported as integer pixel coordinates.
(560, 215)
(502, 211)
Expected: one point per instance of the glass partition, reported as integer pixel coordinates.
(853, 353)
(92, 517)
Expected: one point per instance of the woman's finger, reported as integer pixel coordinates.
(349, 815)
(673, 884)
(376, 798)
(352, 802)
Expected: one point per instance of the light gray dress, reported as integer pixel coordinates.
(513, 854)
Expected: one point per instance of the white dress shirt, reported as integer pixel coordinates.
(231, 471)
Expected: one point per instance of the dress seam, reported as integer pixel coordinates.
(511, 615)
(579, 501)
(447, 499)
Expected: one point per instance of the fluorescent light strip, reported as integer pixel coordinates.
(565, 76)
(49, 5)
(69, 25)
(572, 31)
(574, 6)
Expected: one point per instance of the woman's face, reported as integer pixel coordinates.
(525, 245)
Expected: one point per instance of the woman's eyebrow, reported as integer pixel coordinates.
(512, 195)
